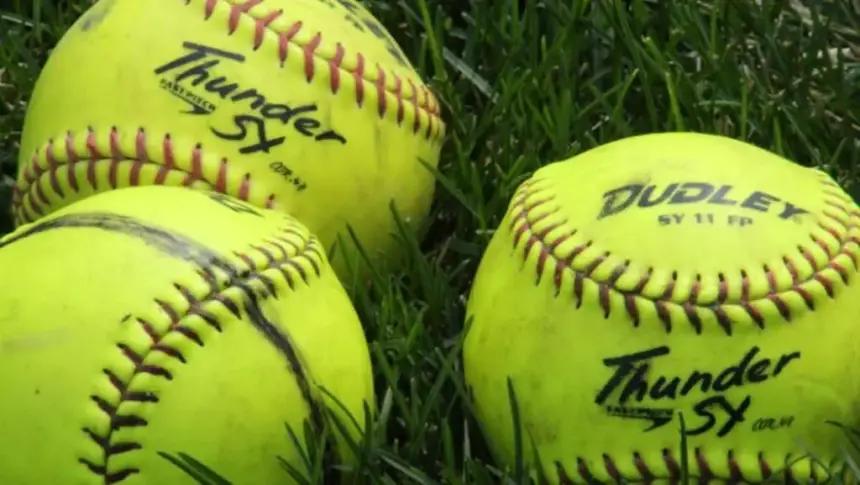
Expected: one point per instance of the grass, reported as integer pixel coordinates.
(524, 84)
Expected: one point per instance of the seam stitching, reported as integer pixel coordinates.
(288, 268)
(584, 473)
(526, 239)
(429, 105)
(29, 197)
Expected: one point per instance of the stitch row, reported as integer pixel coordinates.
(288, 37)
(285, 261)
(29, 197)
(701, 470)
(841, 221)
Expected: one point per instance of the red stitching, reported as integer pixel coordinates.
(309, 57)
(29, 199)
(263, 22)
(700, 469)
(525, 239)
(283, 263)
(358, 75)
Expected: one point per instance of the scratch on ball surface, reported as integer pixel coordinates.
(96, 15)
(37, 341)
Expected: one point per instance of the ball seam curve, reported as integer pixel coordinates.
(29, 196)
(304, 263)
(527, 239)
(584, 474)
(429, 106)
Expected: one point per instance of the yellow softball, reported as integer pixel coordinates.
(662, 278)
(307, 106)
(160, 319)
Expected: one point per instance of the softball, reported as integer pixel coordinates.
(132, 323)
(666, 285)
(306, 106)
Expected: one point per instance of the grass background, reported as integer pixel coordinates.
(523, 84)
